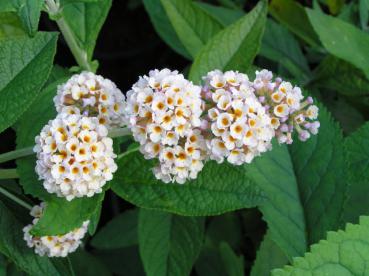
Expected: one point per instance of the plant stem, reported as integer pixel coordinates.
(15, 154)
(79, 54)
(15, 199)
(8, 173)
(70, 266)
(128, 152)
(118, 132)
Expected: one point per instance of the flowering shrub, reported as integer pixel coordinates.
(228, 144)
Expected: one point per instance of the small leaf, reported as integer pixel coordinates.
(30, 60)
(233, 264)
(120, 232)
(342, 253)
(224, 16)
(29, 13)
(10, 25)
(169, 244)
(235, 47)
(193, 26)
(342, 39)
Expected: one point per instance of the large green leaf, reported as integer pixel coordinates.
(342, 253)
(25, 64)
(357, 156)
(169, 244)
(163, 27)
(235, 47)
(85, 20)
(339, 75)
(280, 46)
(14, 247)
(120, 232)
(293, 16)
(193, 26)
(218, 189)
(10, 25)
(342, 39)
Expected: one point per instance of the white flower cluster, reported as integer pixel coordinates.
(94, 96)
(287, 108)
(75, 157)
(53, 246)
(163, 111)
(240, 127)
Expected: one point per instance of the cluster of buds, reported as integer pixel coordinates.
(53, 246)
(240, 128)
(163, 112)
(75, 157)
(286, 107)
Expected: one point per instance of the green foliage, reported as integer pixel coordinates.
(225, 16)
(342, 253)
(233, 264)
(30, 60)
(10, 25)
(169, 244)
(234, 48)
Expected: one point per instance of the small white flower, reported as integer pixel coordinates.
(312, 112)
(281, 110)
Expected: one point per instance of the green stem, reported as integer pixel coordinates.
(15, 199)
(70, 266)
(79, 54)
(8, 173)
(128, 152)
(15, 154)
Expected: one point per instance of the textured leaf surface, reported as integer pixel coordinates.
(25, 64)
(342, 253)
(218, 189)
(120, 232)
(193, 26)
(169, 244)
(235, 47)
(342, 39)
(29, 13)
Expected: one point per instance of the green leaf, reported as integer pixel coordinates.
(30, 60)
(357, 156)
(163, 27)
(280, 46)
(120, 232)
(342, 39)
(339, 75)
(235, 47)
(193, 26)
(29, 13)
(342, 253)
(10, 26)
(233, 264)
(85, 20)
(268, 257)
(85, 263)
(61, 216)
(218, 189)
(224, 16)
(335, 5)
(94, 221)
(293, 16)
(14, 247)
(210, 263)
(169, 244)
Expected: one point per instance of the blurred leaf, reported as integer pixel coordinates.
(67, 2)
(235, 47)
(232, 263)
(193, 26)
(10, 26)
(357, 156)
(25, 65)
(335, 6)
(210, 263)
(349, 13)
(163, 27)
(268, 257)
(342, 253)
(120, 232)
(14, 247)
(85, 21)
(293, 16)
(85, 263)
(224, 16)
(94, 220)
(339, 75)
(364, 14)
(169, 244)
(280, 46)
(342, 40)
(29, 13)
(217, 189)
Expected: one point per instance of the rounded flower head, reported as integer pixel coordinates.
(75, 157)
(92, 96)
(53, 246)
(240, 127)
(163, 112)
(287, 108)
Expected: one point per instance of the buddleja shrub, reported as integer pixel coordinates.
(266, 117)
